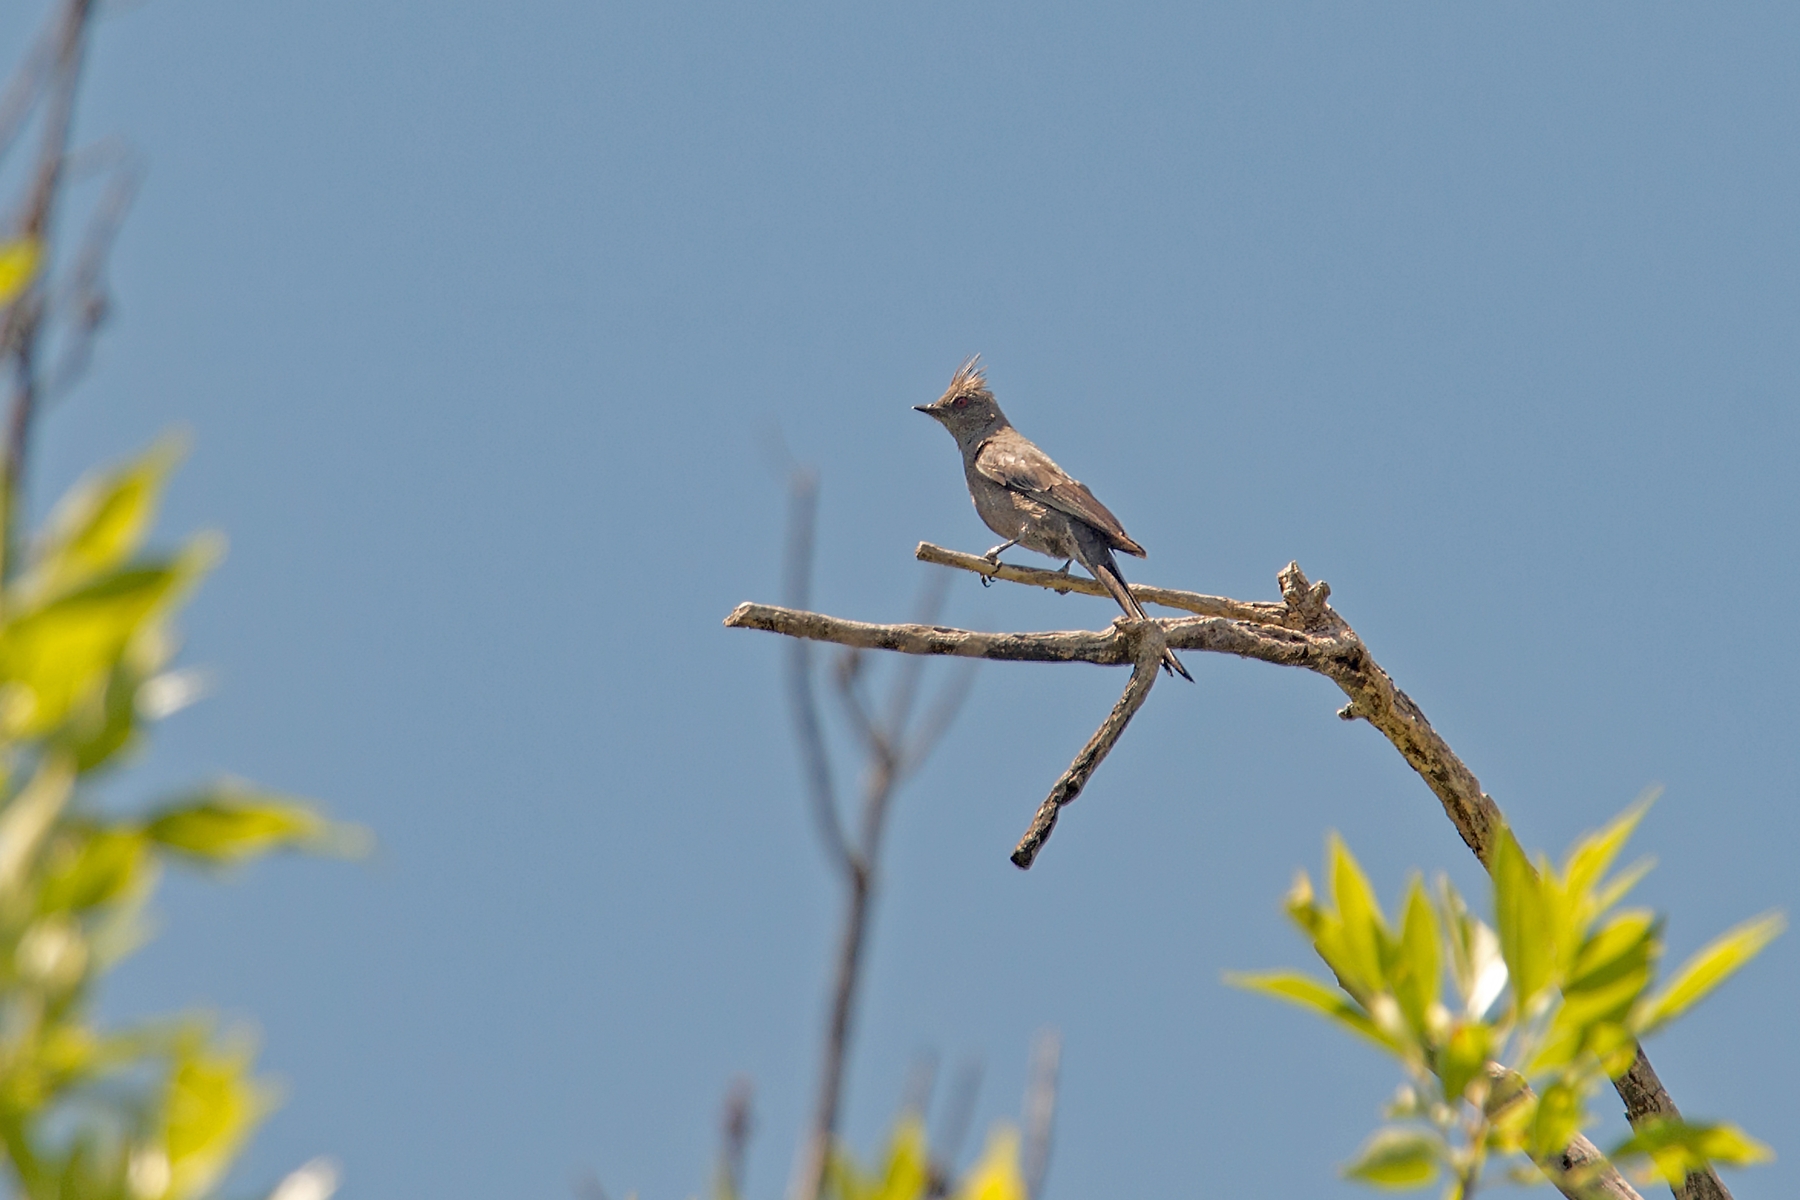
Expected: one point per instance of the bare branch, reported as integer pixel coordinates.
(1303, 631)
(1066, 788)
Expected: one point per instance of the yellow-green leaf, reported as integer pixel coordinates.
(1464, 1057)
(1398, 1158)
(908, 1170)
(26, 819)
(1365, 929)
(1706, 970)
(211, 1106)
(997, 1175)
(97, 868)
(1559, 1117)
(1309, 993)
(57, 656)
(1616, 888)
(103, 520)
(231, 822)
(1523, 913)
(1678, 1148)
(18, 267)
(1591, 857)
(1416, 969)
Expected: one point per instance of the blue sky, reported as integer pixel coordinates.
(480, 317)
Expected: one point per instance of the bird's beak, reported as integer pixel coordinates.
(924, 408)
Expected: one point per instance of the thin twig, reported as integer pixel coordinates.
(735, 1124)
(20, 330)
(803, 503)
(959, 1117)
(1040, 1111)
(85, 300)
(1057, 581)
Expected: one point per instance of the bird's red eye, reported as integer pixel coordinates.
(959, 402)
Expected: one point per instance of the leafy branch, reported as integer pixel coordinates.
(1576, 973)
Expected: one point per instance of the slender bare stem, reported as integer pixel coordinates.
(1040, 1107)
(19, 332)
(891, 753)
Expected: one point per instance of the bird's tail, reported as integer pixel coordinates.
(1103, 566)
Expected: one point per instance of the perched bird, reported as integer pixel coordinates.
(1029, 500)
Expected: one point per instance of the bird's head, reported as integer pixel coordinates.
(966, 408)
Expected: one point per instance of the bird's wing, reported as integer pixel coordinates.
(1013, 462)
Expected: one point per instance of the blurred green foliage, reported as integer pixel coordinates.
(156, 1110)
(1573, 976)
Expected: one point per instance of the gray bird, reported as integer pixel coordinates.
(1029, 500)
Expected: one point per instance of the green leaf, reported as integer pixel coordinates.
(1591, 857)
(1678, 1148)
(57, 656)
(1560, 1115)
(96, 868)
(1611, 971)
(1464, 1057)
(1611, 968)
(1398, 1158)
(1616, 888)
(1706, 970)
(231, 822)
(19, 261)
(908, 1170)
(997, 1176)
(1365, 929)
(1309, 993)
(1416, 971)
(103, 520)
(1523, 913)
(210, 1108)
(27, 818)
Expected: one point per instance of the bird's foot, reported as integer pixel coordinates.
(993, 556)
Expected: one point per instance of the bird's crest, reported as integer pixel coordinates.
(970, 379)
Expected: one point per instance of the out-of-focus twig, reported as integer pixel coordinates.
(893, 747)
(84, 299)
(735, 1125)
(55, 83)
(1040, 1109)
(959, 1117)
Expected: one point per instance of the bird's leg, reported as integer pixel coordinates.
(993, 556)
